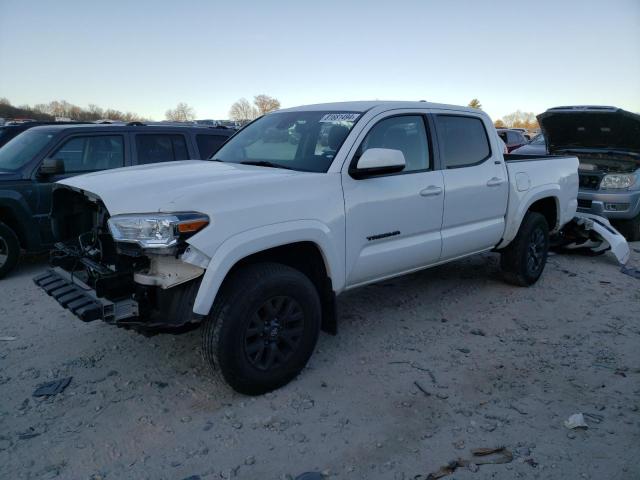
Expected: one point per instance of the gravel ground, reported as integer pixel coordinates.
(425, 368)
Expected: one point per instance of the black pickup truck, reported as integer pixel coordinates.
(32, 161)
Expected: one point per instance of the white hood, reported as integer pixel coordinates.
(172, 186)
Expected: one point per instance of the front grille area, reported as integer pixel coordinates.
(590, 182)
(584, 203)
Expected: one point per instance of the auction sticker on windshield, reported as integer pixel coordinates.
(340, 117)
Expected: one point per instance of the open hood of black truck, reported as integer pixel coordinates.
(598, 128)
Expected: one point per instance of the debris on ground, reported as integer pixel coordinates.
(631, 271)
(52, 388)
(576, 421)
(310, 476)
(481, 456)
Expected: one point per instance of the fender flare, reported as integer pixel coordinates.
(246, 243)
(539, 193)
(21, 214)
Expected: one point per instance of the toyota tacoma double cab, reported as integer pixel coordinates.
(301, 205)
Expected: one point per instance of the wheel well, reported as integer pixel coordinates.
(307, 258)
(7, 217)
(548, 208)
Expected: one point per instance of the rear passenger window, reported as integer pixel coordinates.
(160, 148)
(404, 133)
(86, 154)
(209, 144)
(463, 140)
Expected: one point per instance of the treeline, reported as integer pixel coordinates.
(62, 108)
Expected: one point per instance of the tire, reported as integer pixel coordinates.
(243, 339)
(9, 250)
(523, 261)
(629, 228)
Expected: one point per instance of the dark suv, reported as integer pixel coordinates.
(32, 161)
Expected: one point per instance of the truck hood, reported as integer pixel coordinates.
(171, 186)
(597, 128)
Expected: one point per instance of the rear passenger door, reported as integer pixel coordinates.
(159, 147)
(475, 182)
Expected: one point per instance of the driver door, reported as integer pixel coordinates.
(393, 221)
(80, 154)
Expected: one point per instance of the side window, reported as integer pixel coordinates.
(404, 133)
(209, 144)
(463, 140)
(154, 148)
(86, 154)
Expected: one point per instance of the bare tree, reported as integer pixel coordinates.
(4, 101)
(182, 113)
(499, 124)
(243, 111)
(475, 103)
(520, 119)
(265, 103)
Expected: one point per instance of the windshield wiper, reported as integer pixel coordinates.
(264, 163)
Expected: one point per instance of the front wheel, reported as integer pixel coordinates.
(9, 249)
(523, 260)
(263, 327)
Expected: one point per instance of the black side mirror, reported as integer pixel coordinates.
(50, 167)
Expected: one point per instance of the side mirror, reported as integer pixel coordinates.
(50, 167)
(378, 161)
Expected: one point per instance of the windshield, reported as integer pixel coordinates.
(19, 150)
(305, 141)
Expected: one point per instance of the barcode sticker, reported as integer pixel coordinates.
(340, 117)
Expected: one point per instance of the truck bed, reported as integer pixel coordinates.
(523, 157)
(528, 175)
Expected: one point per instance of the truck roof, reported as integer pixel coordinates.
(363, 106)
(135, 126)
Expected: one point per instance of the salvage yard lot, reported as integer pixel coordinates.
(425, 368)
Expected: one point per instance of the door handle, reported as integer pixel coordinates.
(494, 182)
(431, 191)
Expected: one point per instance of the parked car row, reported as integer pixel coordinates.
(31, 162)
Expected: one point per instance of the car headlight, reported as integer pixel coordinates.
(617, 180)
(156, 230)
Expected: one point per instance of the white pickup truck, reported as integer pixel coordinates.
(296, 208)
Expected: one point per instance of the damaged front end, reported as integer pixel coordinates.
(133, 271)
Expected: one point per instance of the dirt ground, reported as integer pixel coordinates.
(425, 368)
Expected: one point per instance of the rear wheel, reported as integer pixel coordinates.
(523, 261)
(263, 327)
(629, 228)
(9, 249)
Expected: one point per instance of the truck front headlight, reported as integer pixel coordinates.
(156, 230)
(617, 180)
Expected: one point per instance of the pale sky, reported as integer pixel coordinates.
(146, 56)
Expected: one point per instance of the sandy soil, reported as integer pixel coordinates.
(425, 368)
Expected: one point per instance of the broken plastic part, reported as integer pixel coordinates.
(598, 236)
(52, 388)
(576, 421)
